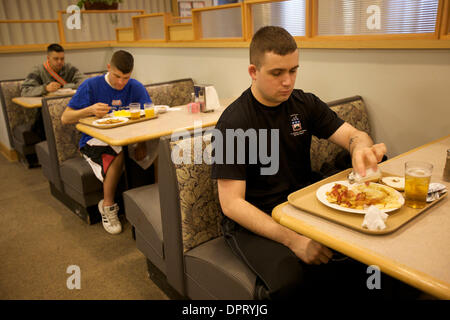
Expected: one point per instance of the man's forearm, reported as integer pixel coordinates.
(33, 91)
(73, 116)
(359, 139)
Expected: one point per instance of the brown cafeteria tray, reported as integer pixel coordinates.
(305, 199)
(90, 122)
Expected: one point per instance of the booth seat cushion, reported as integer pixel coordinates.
(77, 174)
(84, 199)
(24, 149)
(23, 133)
(143, 211)
(222, 274)
(150, 249)
(44, 159)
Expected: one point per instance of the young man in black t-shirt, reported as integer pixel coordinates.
(271, 118)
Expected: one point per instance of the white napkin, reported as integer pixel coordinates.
(374, 219)
(152, 153)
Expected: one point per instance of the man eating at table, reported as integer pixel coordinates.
(287, 264)
(94, 98)
(52, 75)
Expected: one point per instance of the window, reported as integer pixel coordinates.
(287, 14)
(366, 17)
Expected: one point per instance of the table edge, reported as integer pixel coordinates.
(406, 274)
(94, 132)
(26, 105)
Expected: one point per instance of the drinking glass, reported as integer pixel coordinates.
(135, 111)
(417, 180)
(149, 110)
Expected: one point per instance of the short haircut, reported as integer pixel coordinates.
(55, 47)
(270, 39)
(123, 61)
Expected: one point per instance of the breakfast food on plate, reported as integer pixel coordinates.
(398, 183)
(371, 176)
(110, 121)
(363, 195)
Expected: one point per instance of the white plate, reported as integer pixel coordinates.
(99, 122)
(321, 195)
(161, 109)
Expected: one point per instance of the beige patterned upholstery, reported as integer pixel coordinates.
(173, 93)
(353, 112)
(199, 201)
(16, 115)
(94, 74)
(66, 136)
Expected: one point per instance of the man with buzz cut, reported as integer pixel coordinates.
(52, 75)
(288, 265)
(95, 97)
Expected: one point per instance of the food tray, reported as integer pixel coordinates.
(305, 199)
(90, 122)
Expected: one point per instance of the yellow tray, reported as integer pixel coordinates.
(305, 199)
(90, 122)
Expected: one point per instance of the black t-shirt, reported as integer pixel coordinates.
(295, 121)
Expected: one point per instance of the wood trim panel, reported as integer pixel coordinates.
(62, 36)
(10, 154)
(445, 18)
(30, 21)
(105, 11)
(175, 10)
(439, 40)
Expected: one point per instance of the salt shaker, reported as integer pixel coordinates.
(446, 175)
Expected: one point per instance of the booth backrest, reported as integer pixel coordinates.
(171, 93)
(199, 201)
(14, 114)
(94, 73)
(353, 111)
(64, 137)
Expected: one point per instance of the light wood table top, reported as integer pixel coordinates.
(36, 102)
(28, 102)
(165, 124)
(418, 253)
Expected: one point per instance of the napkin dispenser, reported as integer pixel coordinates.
(207, 97)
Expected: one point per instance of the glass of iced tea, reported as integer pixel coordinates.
(417, 179)
(149, 110)
(135, 111)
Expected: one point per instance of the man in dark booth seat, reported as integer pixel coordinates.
(52, 75)
(288, 264)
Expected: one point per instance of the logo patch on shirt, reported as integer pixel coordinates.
(116, 103)
(296, 125)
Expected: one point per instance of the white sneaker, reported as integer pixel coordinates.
(110, 220)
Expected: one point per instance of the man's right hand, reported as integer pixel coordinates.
(100, 109)
(310, 251)
(52, 86)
